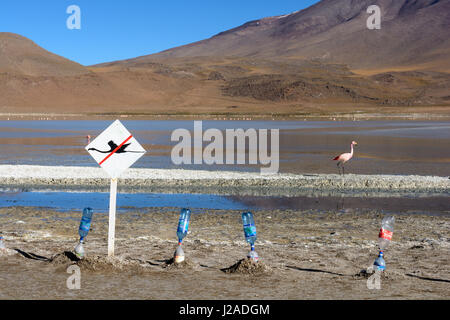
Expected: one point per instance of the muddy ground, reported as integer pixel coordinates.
(220, 182)
(303, 255)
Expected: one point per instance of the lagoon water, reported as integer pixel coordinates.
(384, 147)
(198, 203)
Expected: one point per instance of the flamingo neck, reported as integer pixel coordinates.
(351, 149)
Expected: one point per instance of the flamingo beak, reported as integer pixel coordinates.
(355, 143)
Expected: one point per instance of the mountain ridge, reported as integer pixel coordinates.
(335, 31)
(20, 55)
(316, 61)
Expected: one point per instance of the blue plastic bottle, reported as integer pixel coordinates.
(183, 224)
(85, 224)
(250, 234)
(182, 230)
(83, 230)
(379, 264)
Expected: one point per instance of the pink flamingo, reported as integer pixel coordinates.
(343, 158)
(88, 139)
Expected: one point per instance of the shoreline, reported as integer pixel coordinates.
(94, 179)
(357, 116)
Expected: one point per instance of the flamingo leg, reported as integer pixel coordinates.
(343, 173)
(339, 168)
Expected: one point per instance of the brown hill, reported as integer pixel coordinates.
(21, 56)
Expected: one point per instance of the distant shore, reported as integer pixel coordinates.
(220, 182)
(441, 114)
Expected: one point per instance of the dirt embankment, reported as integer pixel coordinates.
(220, 182)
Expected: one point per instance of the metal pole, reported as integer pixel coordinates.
(112, 217)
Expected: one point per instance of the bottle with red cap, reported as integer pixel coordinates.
(384, 238)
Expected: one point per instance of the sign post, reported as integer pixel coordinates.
(115, 150)
(112, 217)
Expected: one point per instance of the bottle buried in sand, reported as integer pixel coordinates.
(83, 230)
(250, 234)
(2, 245)
(182, 230)
(384, 238)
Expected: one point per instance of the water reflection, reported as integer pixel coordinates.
(385, 147)
(99, 201)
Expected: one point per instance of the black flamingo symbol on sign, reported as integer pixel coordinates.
(113, 146)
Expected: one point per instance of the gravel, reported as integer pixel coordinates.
(220, 182)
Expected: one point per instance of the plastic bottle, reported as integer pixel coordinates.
(179, 254)
(384, 238)
(83, 230)
(182, 230)
(79, 250)
(2, 245)
(250, 234)
(379, 264)
(386, 232)
(183, 224)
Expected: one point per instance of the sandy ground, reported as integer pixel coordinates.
(220, 182)
(304, 255)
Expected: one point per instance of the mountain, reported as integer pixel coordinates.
(21, 56)
(319, 61)
(414, 33)
(33, 80)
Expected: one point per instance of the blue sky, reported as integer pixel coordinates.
(116, 29)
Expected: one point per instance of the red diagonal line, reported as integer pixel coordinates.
(114, 151)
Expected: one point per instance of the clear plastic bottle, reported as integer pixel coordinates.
(83, 230)
(386, 232)
(250, 234)
(179, 256)
(2, 245)
(384, 238)
(182, 230)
